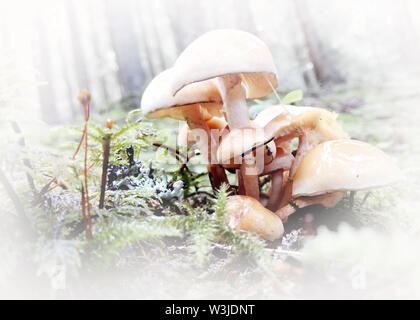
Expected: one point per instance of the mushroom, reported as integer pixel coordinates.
(277, 156)
(283, 123)
(195, 104)
(330, 169)
(312, 126)
(240, 144)
(247, 214)
(283, 159)
(233, 58)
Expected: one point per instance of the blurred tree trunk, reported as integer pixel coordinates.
(131, 74)
(151, 39)
(42, 64)
(324, 71)
(69, 91)
(78, 55)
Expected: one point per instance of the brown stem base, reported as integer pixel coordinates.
(217, 176)
(275, 190)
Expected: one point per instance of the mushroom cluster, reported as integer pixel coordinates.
(208, 87)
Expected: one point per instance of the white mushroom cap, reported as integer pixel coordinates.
(157, 100)
(341, 165)
(247, 214)
(225, 52)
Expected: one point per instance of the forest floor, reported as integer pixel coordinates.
(144, 249)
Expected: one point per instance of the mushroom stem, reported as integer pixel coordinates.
(241, 185)
(218, 174)
(249, 174)
(275, 190)
(207, 147)
(237, 116)
(234, 101)
(276, 170)
(303, 148)
(283, 162)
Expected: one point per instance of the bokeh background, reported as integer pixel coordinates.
(49, 49)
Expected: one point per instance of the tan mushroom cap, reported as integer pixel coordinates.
(247, 214)
(285, 111)
(238, 142)
(341, 165)
(278, 121)
(290, 121)
(267, 115)
(218, 123)
(225, 52)
(320, 123)
(158, 102)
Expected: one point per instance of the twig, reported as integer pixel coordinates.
(105, 161)
(85, 98)
(273, 252)
(284, 252)
(175, 152)
(365, 198)
(83, 203)
(89, 222)
(201, 192)
(79, 145)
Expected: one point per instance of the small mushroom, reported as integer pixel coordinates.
(239, 144)
(285, 122)
(312, 126)
(195, 104)
(330, 169)
(247, 214)
(271, 119)
(233, 58)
